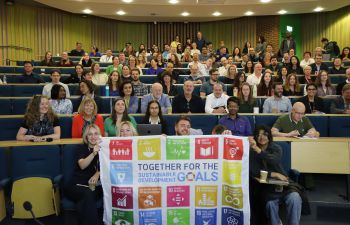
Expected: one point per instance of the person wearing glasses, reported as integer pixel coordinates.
(207, 87)
(187, 102)
(313, 103)
(294, 124)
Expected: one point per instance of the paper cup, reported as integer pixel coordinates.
(263, 175)
(256, 110)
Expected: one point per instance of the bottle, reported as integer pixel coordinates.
(107, 90)
(4, 79)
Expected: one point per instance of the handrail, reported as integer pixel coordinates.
(16, 47)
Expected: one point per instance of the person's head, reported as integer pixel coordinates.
(311, 90)
(55, 76)
(94, 49)
(251, 51)
(95, 68)
(307, 55)
(278, 89)
(298, 111)
(245, 91)
(322, 78)
(283, 71)
(194, 69)
(118, 108)
(222, 50)
(218, 129)
(64, 56)
(86, 56)
(125, 71)
(114, 78)
(218, 90)
(269, 48)
(121, 56)
(214, 75)
(291, 52)
(273, 61)
(324, 41)
(154, 63)
(28, 67)
(38, 106)
(115, 60)
(345, 51)
(318, 51)
(337, 62)
(194, 45)
(79, 69)
(294, 60)
(126, 89)
(78, 46)
(87, 75)
(286, 57)
(307, 70)
(236, 51)
(109, 52)
(183, 126)
(233, 106)
(153, 109)
(232, 70)
(288, 34)
(135, 74)
(318, 59)
(88, 107)
(188, 87)
(92, 135)
(204, 50)
(292, 80)
(346, 92)
(126, 130)
(86, 87)
(157, 90)
(262, 135)
(247, 44)
(199, 35)
(166, 78)
(267, 78)
(58, 92)
(48, 56)
(195, 57)
(258, 68)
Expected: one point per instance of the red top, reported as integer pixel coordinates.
(78, 124)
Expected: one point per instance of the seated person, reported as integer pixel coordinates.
(83, 187)
(154, 115)
(294, 124)
(183, 126)
(337, 68)
(247, 101)
(154, 68)
(78, 51)
(87, 115)
(47, 59)
(277, 103)
(59, 103)
(88, 89)
(156, 94)
(318, 65)
(40, 122)
(28, 77)
(216, 102)
(313, 104)
(341, 105)
(265, 155)
(323, 84)
(118, 115)
(75, 77)
(347, 81)
(127, 93)
(127, 130)
(86, 61)
(168, 85)
(107, 57)
(98, 77)
(195, 76)
(55, 79)
(140, 88)
(113, 83)
(65, 61)
(264, 88)
(207, 87)
(307, 78)
(187, 102)
(237, 124)
(292, 87)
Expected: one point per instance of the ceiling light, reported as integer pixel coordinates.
(185, 14)
(173, 1)
(128, 1)
(87, 11)
(121, 12)
(248, 13)
(318, 9)
(216, 14)
(282, 12)
(265, 1)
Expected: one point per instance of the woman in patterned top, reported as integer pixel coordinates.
(59, 103)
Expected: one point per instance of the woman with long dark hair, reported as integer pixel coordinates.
(126, 91)
(265, 85)
(47, 59)
(154, 115)
(114, 83)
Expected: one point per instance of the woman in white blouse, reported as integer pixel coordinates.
(59, 103)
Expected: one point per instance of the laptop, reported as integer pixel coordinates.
(149, 129)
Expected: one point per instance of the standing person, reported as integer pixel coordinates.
(55, 79)
(118, 115)
(187, 102)
(246, 99)
(59, 103)
(200, 40)
(260, 46)
(154, 115)
(28, 77)
(237, 124)
(83, 187)
(87, 115)
(40, 122)
(287, 44)
(78, 51)
(127, 92)
(266, 155)
(47, 59)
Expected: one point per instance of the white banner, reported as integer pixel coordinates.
(175, 180)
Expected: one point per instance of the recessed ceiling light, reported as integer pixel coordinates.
(216, 14)
(265, 1)
(87, 11)
(248, 13)
(282, 12)
(173, 1)
(185, 14)
(121, 12)
(318, 9)
(128, 1)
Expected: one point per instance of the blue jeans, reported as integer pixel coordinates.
(293, 206)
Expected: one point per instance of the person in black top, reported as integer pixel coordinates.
(47, 60)
(28, 76)
(313, 104)
(78, 51)
(84, 187)
(167, 82)
(337, 67)
(87, 89)
(76, 77)
(347, 81)
(154, 115)
(187, 102)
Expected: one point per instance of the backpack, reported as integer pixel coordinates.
(336, 49)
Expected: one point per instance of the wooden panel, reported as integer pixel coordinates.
(243, 29)
(321, 157)
(218, 31)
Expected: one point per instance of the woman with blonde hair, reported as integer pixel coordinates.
(40, 122)
(87, 115)
(127, 130)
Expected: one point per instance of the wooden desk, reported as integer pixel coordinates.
(67, 141)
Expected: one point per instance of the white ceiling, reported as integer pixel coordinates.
(200, 10)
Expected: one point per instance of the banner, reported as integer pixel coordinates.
(175, 180)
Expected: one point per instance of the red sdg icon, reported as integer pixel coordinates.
(233, 149)
(207, 148)
(120, 149)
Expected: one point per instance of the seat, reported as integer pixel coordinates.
(267, 120)
(339, 126)
(19, 106)
(9, 128)
(27, 90)
(4, 180)
(321, 124)
(6, 106)
(287, 160)
(36, 176)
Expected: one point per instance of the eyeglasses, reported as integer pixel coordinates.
(311, 89)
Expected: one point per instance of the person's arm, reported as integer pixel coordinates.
(85, 162)
(312, 133)
(21, 135)
(93, 180)
(144, 103)
(56, 134)
(276, 133)
(168, 105)
(208, 108)
(267, 107)
(335, 107)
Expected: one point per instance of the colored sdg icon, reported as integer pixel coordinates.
(178, 196)
(150, 197)
(233, 148)
(149, 149)
(120, 149)
(206, 148)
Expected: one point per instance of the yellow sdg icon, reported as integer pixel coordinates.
(232, 196)
(149, 149)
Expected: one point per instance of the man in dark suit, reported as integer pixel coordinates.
(318, 65)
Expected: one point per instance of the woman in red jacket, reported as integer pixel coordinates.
(87, 114)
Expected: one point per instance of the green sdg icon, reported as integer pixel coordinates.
(120, 217)
(177, 149)
(178, 216)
